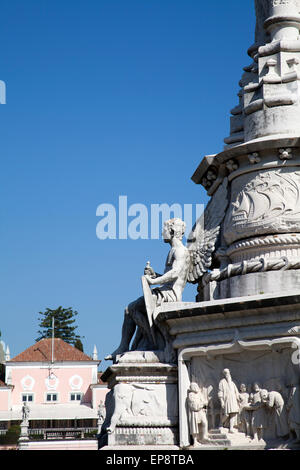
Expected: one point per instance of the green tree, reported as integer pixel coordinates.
(64, 324)
(78, 345)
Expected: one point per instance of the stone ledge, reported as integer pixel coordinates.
(170, 311)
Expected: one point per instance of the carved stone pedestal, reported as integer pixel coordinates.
(142, 407)
(23, 441)
(257, 341)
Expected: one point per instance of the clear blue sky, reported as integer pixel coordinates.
(104, 98)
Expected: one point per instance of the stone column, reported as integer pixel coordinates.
(261, 159)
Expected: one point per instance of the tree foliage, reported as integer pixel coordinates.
(78, 345)
(64, 325)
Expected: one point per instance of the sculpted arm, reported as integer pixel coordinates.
(174, 273)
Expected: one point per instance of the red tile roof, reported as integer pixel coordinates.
(42, 352)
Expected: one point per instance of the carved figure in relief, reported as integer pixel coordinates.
(127, 402)
(229, 398)
(259, 421)
(269, 201)
(198, 424)
(275, 401)
(268, 195)
(293, 408)
(211, 414)
(244, 414)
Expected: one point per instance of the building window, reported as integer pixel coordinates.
(27, 397)
(51, 397)
(75, 396)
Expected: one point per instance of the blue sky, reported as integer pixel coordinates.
(104, 98)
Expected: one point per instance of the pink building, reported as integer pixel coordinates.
(59, 383)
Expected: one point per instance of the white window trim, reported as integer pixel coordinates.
(28, 393)
(51, 401)
(77, 392)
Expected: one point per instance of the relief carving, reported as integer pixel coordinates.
(265, 203)
(255, 411)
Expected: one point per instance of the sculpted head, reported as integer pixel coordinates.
(194, 387)
(173, 228)
(226, 373)
(264, 395)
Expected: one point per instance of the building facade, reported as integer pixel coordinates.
(59, 383)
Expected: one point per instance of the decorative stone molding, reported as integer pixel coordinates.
(254, 158)
(285, 154)
(27, 383)
(141, 436)
(209, 178)
(76, 382)
(247, 267)
(272, 75)
(51, 382)
(232, 165)
(279, 245)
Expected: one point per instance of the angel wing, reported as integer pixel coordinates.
(203, 238)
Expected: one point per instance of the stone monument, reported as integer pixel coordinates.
(24, 435)
(223, 371)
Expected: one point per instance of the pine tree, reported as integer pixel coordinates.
(64, 328)
(78, 345)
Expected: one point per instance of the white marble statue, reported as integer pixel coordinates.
(25, 414)
(101, 415)
(229, 398)
(184, 264)
(198, 425)
(172, 284)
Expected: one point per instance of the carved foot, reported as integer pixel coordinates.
(205, 440)
(196, 444)
(117, 352)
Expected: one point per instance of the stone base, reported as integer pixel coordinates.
(256, 339)
(150, 436)
(150, 447)
(142, 407)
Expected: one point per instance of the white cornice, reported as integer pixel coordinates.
(47, 365)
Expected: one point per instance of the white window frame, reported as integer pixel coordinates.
(75, 393)
(51, 401)
(26, 394)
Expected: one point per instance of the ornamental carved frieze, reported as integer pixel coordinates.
(266, 202)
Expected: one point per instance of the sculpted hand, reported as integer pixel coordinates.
(150, 280)
(149, 271)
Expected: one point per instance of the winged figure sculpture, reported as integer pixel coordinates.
(202, 241)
